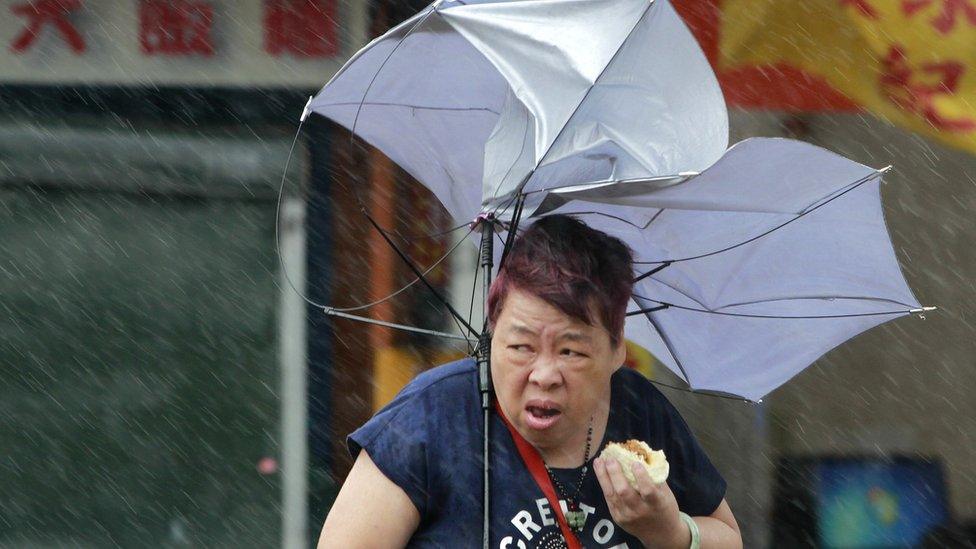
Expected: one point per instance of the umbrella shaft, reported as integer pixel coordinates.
(484, 375)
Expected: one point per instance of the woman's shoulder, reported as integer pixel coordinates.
(630, 384)
(419, 412)
(441, 389)
(646, 406)
(446, 372)
(447, 380)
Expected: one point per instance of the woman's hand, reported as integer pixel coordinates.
(649, 513)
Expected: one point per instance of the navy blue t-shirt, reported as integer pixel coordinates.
(429, 442)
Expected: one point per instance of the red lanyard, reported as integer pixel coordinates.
(537, 467)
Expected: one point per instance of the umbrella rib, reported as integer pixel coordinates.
(414, 281)
(565, 189)
(333, 312)
(675, 288)
(281, 264)
(705, 308)
(474, 285)
(649, 310)
(512, 230)
(435, 235)
(652, 271)
(385, 61)
(281, 192)
(653, 219)
(705, 392)
(502, 242)
(852, 186)
(746, 315)
(456, 315)
(669, 346)
(525, 135)
(502, 206)
(611, 216)
(407, 106)
(839, 191)
(813, 297)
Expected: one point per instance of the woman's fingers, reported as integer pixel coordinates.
(638, 509)
(621, 486)
(645, 486)
(600, 468)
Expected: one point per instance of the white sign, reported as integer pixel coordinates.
(252, 43)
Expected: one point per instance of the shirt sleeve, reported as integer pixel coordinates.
(396, 440)
(697, 485)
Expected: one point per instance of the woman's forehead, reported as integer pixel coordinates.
(524, 313)
(569, 333)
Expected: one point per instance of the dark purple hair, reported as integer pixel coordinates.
(573, 268)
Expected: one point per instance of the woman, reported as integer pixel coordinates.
(556, 312)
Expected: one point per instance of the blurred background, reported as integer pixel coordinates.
(163, 382)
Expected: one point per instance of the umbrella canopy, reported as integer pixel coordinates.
(774, 255)
(752, 262)
(478, 100)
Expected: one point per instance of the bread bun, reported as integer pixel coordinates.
(636, 451)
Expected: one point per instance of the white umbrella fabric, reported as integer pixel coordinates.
(480, 99)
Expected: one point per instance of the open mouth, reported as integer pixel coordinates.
(541, 415)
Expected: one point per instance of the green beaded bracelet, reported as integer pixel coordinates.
(695, 532)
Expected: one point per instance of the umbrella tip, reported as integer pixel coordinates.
(921, 311)
(307, 110)
(886, 169)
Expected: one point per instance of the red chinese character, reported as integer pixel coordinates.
(175, 27)
(303, 28)
(947, 18)
(899, 84)
(862, 6)
(44, 12)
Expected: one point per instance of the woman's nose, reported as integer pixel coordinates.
(545, 373)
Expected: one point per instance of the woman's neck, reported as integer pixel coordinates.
(570, 454)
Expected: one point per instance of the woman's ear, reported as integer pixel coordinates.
(620, 353)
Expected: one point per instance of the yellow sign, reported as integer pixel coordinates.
(910, 62)
(393, 368)
(638, 358)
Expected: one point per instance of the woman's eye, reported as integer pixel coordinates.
(519, 347)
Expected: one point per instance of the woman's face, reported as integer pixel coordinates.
(551, 372)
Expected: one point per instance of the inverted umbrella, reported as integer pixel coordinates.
(764, 257)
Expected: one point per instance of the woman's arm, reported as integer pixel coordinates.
(720, 529)
(370, 511)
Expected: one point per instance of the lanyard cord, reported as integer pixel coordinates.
(537, 467)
